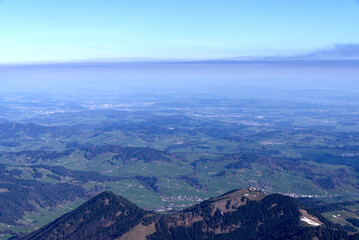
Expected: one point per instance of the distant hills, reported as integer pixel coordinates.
(238, 214)
(56, 152)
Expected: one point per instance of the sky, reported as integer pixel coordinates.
(72, 30)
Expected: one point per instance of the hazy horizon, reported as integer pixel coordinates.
(230, 75)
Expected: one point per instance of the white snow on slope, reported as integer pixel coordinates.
(309, 221)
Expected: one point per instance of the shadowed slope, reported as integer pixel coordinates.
(106, 216)
(238, 214)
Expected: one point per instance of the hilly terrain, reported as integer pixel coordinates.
(171, 150)
(238, 214)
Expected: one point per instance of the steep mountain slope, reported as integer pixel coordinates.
(247, 214)
(106, 216)
(239, 214)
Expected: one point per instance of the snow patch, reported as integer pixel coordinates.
(310, 222)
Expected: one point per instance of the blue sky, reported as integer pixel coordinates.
(61, 30)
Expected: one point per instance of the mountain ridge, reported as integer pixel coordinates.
(239, 214)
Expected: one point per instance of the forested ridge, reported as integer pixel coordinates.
(239, 214)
